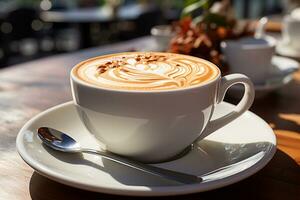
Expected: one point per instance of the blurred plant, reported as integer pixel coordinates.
(194, 5)
(203, 25)
(101, 2)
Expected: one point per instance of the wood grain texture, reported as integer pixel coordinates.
(29, 88)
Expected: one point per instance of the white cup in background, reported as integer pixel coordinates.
(291, 30)
(250, 56)
(162, 34)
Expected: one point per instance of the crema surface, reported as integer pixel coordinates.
(146, 71)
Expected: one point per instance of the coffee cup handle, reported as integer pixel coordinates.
(245, 103)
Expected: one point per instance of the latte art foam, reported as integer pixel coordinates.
(146, 71)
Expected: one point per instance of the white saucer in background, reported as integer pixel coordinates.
(281, 76)
(236, 142)
(285, 50)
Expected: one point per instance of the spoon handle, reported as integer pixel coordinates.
(178, 177)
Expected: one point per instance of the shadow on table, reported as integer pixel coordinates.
(281, 177)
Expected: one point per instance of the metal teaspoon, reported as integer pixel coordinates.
(62, 142)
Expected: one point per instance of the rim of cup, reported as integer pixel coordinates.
(271, 43)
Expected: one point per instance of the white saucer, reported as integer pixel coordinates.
(237, 141)
(285, 50)
(282, 75)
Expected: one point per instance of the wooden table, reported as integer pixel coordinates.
(32, 87)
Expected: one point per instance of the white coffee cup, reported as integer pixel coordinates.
(291, 30)
(162, 35)
(153, 126)
(250, 56)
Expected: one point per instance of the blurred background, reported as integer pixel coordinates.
(31, 29)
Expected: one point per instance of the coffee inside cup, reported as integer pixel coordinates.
(146, 71)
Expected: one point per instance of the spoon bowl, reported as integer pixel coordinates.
(58, 140)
